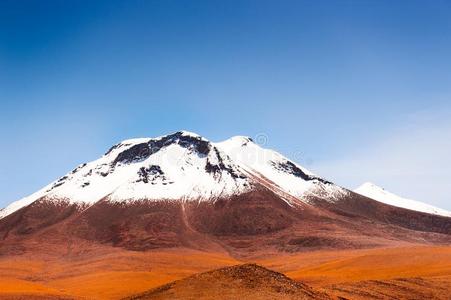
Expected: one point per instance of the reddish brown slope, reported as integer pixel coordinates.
(250, 224)
(247, 281)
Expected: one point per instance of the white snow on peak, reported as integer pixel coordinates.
(130, 142)
(378, 193)
(238, 140)
(134, 141)
(183, 176)
(189, 133)
(21, 203)
(181, 166)
(175, 171)
(276, 168)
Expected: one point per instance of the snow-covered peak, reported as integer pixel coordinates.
(370, 186)
(130, 142)
(190, 133)
(244, 150)
(276, 169)
(378, 193)
(237, 141)
(180, 166)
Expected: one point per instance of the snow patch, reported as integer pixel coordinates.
(377, 193)
(290, 177)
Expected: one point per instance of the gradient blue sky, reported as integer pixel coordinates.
(355, 90)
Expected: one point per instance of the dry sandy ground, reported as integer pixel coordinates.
(389, 273)
(413, 272)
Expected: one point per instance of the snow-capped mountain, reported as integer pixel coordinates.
(377, 193)
(181, 190)
(181, 166)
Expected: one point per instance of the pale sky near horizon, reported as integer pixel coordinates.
(353, 90)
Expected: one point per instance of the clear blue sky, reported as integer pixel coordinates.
(326, 81)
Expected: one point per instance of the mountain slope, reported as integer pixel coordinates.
(377, 193)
